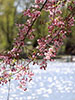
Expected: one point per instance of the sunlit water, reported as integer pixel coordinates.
(55, 83)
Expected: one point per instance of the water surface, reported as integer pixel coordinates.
(57, 82)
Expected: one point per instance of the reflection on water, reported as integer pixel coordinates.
(56, 83)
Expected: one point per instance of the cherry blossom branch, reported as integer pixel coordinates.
(16, 72)
(57, 30)
(34, 20)
(21, 69)
(67, 18)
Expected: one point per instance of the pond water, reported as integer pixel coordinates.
(57, 82)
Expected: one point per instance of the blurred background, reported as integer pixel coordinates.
(11, 12)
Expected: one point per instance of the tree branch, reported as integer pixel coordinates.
(35, 20)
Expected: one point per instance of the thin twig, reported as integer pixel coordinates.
(17, 72)
(8, 90)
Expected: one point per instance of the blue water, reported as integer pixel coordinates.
(56, 83)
